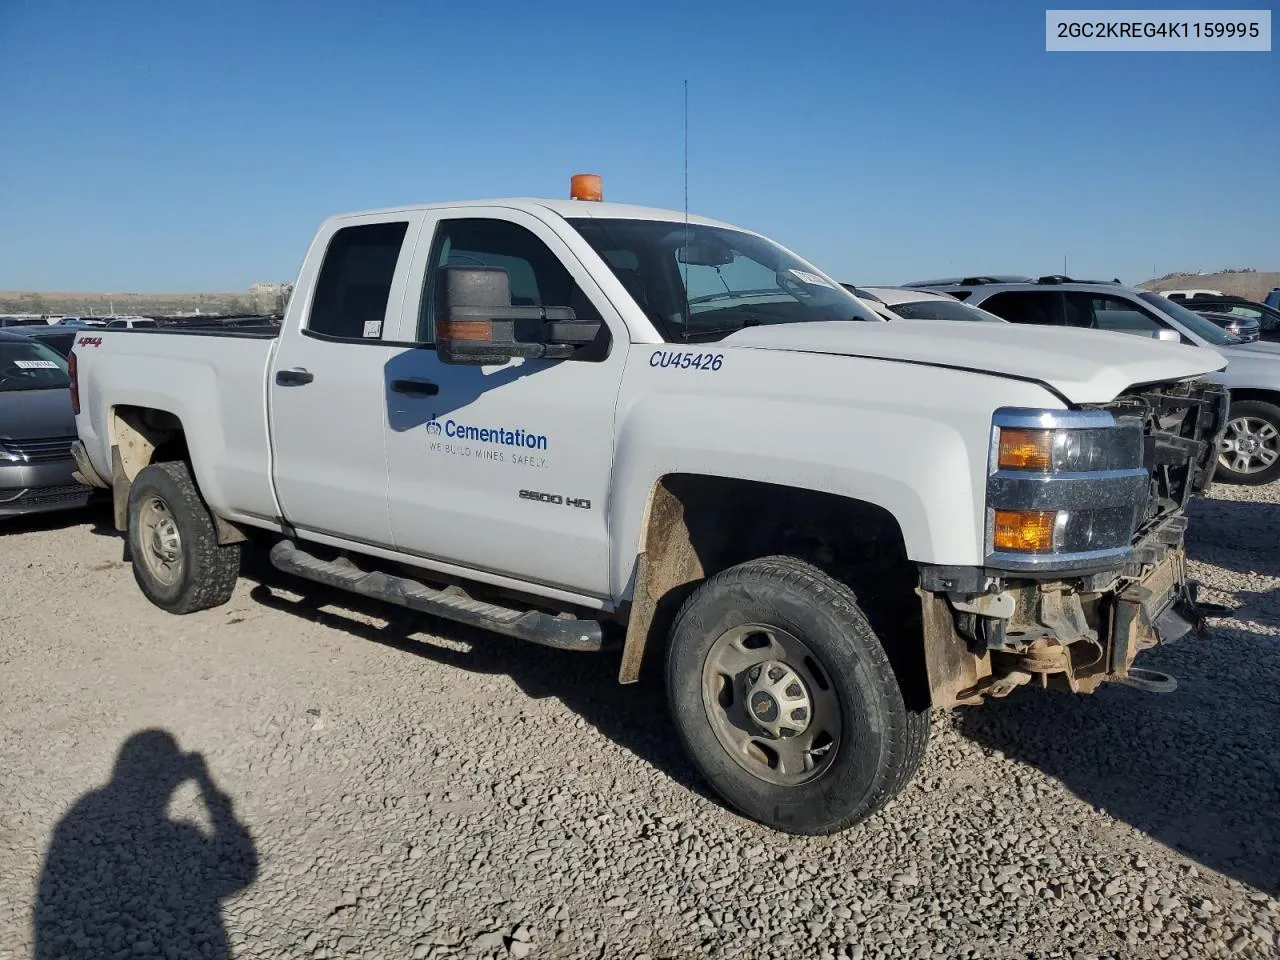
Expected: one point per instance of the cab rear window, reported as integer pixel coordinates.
(355, 281)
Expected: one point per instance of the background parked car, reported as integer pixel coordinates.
(61, 339)
(1268, 318)
(1273, 298)
(36, 430)
(130, 323)
(1242, 328)
(904, 303)
(20, 320)
(1250, 450)
(1181, 296)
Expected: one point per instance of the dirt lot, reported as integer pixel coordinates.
(383, 786)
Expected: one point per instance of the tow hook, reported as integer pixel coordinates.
(1150, 681)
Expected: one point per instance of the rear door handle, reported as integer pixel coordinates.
(415, 388)
(295, 377)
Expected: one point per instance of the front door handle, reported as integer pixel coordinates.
(415, 388)
(295, 377)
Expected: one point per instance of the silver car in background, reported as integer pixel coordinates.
(36, 430)
(1250, 449)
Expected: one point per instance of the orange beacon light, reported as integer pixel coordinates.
(586, 186)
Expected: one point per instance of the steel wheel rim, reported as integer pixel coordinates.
(755, 661)
(1250, 445)
(161, 541)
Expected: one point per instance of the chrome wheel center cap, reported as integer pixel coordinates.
(778, 700)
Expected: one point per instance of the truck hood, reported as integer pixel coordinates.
(1085, 366)
(36, 414)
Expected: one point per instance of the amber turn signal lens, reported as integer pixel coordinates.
(471, 330)
(1024, 531)
(1026, 449)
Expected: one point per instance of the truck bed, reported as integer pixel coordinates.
(212, 379)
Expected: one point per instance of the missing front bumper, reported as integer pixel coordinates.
(1060, 634)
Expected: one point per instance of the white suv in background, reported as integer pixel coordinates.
(1189, 294)
(1250, 450)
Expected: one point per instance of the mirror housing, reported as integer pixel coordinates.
(477, 325)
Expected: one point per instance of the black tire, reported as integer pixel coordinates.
(1256, 412)
(881, 741)
(203, 573)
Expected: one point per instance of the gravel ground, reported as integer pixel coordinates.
(404, 788)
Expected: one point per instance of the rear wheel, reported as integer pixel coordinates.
(1249, 451)
(786, 701)
(177, 560)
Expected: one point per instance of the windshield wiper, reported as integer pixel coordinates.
(687, 335)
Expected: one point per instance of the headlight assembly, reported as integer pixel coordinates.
(1065, 488)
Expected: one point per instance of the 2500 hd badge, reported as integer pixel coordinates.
(556, 498)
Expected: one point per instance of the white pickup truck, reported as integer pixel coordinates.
(592, 425)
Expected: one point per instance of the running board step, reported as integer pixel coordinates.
(532, 625)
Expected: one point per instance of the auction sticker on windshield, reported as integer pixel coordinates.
(35, 365)
(812, 279)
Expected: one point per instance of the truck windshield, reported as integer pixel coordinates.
(26, 365)
(1204, 329)
(696, 282)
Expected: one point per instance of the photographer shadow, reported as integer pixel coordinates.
(121, 876)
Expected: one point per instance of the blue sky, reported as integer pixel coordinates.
(161, 146)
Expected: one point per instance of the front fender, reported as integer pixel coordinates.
(908, 438)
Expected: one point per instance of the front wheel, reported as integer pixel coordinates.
(1249, 452)
(785, 699)
(177, 560)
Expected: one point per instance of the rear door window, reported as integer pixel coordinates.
(1041, 308)
(355, 281)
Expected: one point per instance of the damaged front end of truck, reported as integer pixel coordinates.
(1085, 565)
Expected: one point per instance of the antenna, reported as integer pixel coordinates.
(684, 278)
(686, 155)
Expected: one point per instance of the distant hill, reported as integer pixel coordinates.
(1242, 283)
(261, 299)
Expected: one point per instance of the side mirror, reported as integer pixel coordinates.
(1166, 335)
(476, 323)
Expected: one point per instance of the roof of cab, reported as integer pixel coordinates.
(564, 208)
